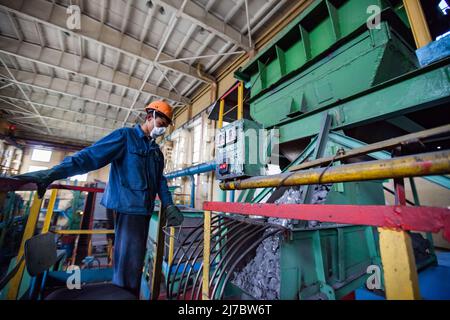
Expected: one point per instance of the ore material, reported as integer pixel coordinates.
(260, 278)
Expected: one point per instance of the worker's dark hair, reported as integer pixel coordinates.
(157, 114)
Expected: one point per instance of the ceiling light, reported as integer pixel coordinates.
(149, 4)
(162, 11)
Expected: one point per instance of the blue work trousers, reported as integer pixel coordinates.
(129, 250)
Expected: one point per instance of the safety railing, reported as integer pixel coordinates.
(393, 222)
(182, 198)
(9, 185)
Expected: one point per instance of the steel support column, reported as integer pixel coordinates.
(206, 254)
(397, 256)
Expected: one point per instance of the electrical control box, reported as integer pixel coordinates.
(240, 150)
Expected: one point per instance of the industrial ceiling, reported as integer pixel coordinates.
(80, 84)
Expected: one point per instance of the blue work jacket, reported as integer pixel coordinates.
(136, 173)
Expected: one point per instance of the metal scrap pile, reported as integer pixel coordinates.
(260, 278)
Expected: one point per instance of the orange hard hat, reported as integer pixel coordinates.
(161, 107)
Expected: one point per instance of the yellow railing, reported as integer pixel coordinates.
(16, 280)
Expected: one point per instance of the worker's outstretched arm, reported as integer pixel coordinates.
(91, 158)
(94, 157)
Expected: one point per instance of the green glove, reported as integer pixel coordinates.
(173, 216)
(42, 178)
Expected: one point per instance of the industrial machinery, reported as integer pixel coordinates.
(173, 240)
(329, 82)
(332, 92)
(240, 148)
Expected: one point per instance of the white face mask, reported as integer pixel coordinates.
(156, 131)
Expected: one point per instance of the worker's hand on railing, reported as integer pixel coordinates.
(174, 217)
(42, 178)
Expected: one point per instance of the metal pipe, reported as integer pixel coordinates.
(49, 214)
(250, 44)
(203, 264)
(201, 168)
(426, 164)
(206, 254)
(240, 111)
(371, 148)
(221, 111)
(245, 225)
(418, 22)
(208, 79)
(234, 248)
(171, 245)
(188, 259)
(197, 256)
(192, 191)
(191, 234)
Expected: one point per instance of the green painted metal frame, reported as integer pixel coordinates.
(323, 25)
(373, 57)
(317, 264)
(380, 102)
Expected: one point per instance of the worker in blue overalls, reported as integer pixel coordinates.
(135, 178)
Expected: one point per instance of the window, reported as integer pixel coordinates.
(79, 177)
(36, 168)
(197, 137)
(179, 150)
(41, 155)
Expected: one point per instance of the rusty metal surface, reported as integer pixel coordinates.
(426, 219)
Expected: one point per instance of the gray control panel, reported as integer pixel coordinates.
(239, 150)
